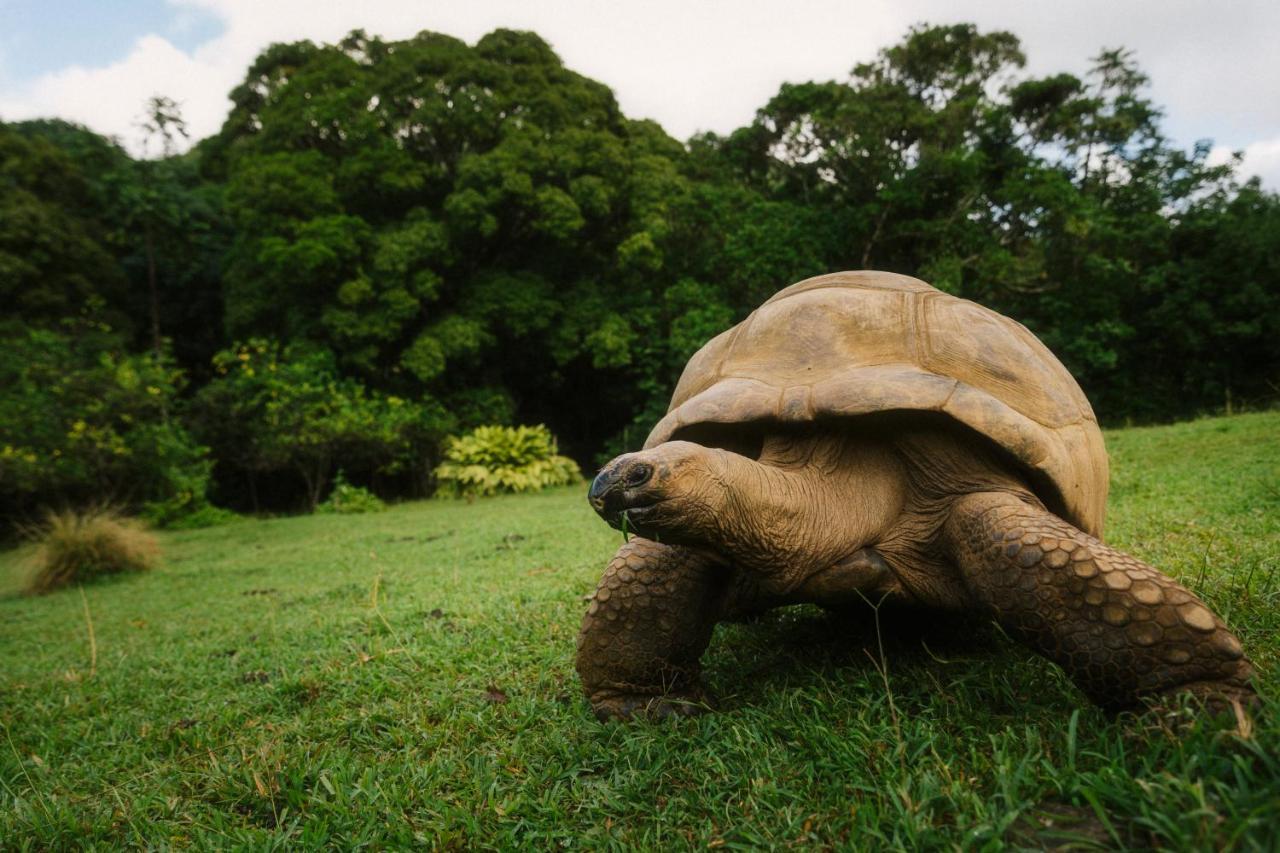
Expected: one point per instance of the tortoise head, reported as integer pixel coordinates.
(671, 492)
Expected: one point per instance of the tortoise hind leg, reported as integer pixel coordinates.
(648, 623)
(1121, 629)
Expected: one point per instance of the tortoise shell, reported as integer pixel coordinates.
(851, 344)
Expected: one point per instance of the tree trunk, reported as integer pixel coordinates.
(153, 294)
(316, 477)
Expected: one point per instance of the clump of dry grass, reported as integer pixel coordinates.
(78, 547)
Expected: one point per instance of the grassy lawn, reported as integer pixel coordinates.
(406, 679)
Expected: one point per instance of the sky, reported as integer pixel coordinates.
(692, 65)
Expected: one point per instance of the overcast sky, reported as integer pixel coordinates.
(690, 64)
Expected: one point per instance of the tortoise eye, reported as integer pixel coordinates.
(638, 474)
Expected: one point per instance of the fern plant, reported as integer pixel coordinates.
(491, 460)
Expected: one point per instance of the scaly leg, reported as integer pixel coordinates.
(648, 623)
(1121, 629)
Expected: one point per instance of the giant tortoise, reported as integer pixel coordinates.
(864, 436)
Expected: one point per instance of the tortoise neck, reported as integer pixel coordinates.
(808, 503)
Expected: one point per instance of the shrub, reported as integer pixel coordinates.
(191, 517)
(187, 506)
(272, 408)
(82, 547)
(82, 421)
(493, 459)
(346, 499)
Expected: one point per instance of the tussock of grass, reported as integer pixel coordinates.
(80, 547)
(404, 680)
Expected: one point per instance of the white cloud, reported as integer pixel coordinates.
(710, 64)
(1213, 65)
(1261, 158)
(111, 99)
(691, 66)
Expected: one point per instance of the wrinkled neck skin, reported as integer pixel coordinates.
(811, 501)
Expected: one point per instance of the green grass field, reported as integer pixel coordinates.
(406, 679)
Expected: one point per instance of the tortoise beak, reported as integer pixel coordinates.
(618, 487)
(600, 488)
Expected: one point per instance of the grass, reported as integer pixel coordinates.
(405, 679)
(81, 547)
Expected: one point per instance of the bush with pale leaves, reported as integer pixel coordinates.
(491, 460)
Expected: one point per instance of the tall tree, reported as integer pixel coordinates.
(163, 125)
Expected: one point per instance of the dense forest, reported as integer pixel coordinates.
(390, 242)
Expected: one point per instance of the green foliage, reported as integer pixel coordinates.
(81, 547)
(56, 257)
(86, 232)
(274, 408)
(188, 517)
(346, 499)
(491, 460)
(81, 421)
(429, 212)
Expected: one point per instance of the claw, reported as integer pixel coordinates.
(641, 706)
(1213, 699)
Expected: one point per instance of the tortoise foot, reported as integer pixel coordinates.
(647, 706)
(1211, 698)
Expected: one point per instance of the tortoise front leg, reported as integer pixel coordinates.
(1121, 629)
(648, 623)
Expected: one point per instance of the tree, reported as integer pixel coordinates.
(274, 408)
(157, 205)
(83, 422)
(56, 258)
(449, 218)
(1056, 200)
